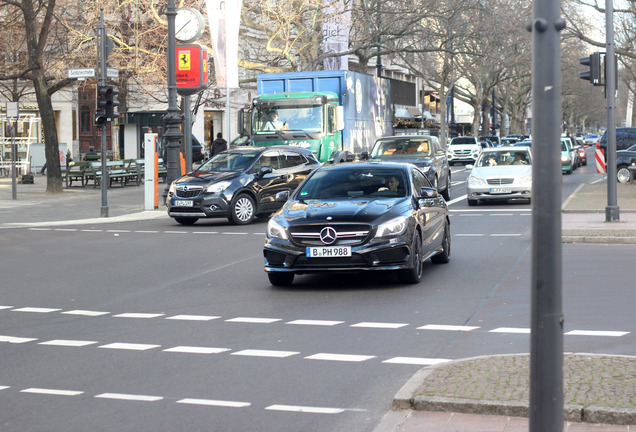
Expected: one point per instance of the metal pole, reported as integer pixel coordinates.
(172, 119)
(187, 131)
(546, 339)
(104, 127)
(612, 212)
(14, 160)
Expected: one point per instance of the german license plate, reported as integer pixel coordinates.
(500, 190)
(328, 252)
(183, 203)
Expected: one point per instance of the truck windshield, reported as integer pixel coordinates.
(307, 119)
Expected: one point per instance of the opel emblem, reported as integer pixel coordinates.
(328, 235)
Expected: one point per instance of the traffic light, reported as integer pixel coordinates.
(594, 72)
(111, 103)
(100, 111)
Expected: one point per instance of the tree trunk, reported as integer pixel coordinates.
(51, 145)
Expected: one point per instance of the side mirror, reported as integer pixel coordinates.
(428, 193)
(282, 196)
(340, 118)
(265, 170)
(364, 155)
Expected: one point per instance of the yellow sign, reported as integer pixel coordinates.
(184, 61)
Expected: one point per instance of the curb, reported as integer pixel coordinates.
(131, 217)
(406, 399)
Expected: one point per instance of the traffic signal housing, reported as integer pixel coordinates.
(106, 104)
(594, 74)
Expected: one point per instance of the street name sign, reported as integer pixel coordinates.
(81, 73)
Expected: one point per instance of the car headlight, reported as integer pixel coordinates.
(476, 181)
(526, 180)
(173, 188)
(565, 158)
(394, 227)
(217, 187)
(276, 230)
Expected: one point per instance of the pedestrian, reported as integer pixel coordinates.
(218, 145)
(91, 152)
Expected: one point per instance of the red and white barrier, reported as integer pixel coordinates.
(600, 160)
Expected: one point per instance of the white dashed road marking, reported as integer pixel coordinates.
(211, 402)
(196, 350)
(265, 353)
(16, 340)
(447, 327)
(253, 320)
(138, 315)
(340, 357)
(129, 346)
(85, 313)
(68, 343)
(315, 322)
(416, 361)
(129, 397)
(193, 317)
(379, 325)
(35, 310)
(52, 392)
(596, 333)
(305, 409)
(511, 330)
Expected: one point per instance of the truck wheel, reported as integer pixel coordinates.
(243, 210)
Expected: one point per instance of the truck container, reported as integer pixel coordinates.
(328, 112)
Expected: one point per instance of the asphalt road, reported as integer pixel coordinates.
(150, 325)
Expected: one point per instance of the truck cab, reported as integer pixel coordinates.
(311, 120)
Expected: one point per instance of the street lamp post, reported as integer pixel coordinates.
(612, 211)
(172, 119)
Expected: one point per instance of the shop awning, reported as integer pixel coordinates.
(403, 113)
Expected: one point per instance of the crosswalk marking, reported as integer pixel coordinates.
(35, 310)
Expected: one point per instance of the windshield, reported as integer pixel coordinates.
(504, 158)
(354, 183)
(564, 146)
(229, 161)
(282, 119)
(397, 147)
(463, 140)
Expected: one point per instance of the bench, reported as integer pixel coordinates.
(162, 171)
(135, 170)
(76, 171)
(117, 172)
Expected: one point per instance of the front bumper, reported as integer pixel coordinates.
(485, 193)
(206, 206)
(393, 254)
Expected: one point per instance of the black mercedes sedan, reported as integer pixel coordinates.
(239, 184)
(358, 217)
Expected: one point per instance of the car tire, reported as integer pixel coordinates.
(414, 275)
(444, 256)
(186, 221)
(472, 202)
(281, 279)
(622, 174)
(446, 192)
(243, 210)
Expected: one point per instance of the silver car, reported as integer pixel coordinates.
(501, 173)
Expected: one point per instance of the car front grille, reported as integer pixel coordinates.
(500, 181)
(460, 153)
(346, 235)
(188, 191)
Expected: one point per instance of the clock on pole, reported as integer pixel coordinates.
(189, 24)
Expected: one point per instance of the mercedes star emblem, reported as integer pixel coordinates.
(328, 235)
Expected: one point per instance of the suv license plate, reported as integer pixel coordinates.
(183, 203)
(500, 190)
(328, 252)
